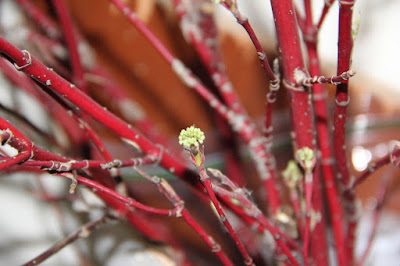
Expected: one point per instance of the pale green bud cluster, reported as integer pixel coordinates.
(292, 173)
(305, 156)
(191, 136)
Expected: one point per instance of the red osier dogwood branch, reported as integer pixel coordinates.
(290, 222)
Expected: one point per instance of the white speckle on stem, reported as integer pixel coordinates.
(213, 103)
(227, 87)
(126, 11)
(183, 73)
(132, 144)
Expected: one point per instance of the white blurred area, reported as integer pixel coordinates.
(28, 226)
(376, 50)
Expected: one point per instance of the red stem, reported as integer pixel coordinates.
(69, 165)
(57, 113)
(373, 167)
(70, 39)
(345, 46)
(51, 51)
(27, 150)
(251, 211)
(68, 91)
(260, 51)
(40, 19)
(327, 5)
(130, 110)
(205, 179)
(83, 232)
(16, 140)
(165, 188)
(380, 198)
(209, 240)
(128, 201)
(239, 123)
(323, 139)
(300, 101)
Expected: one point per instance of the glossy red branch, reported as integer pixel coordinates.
(68, 91)
(323, 135)
(301, 109)
(345, 47)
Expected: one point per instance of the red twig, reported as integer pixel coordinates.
(202, 23)
(67, 166)
(345, 46)
(32, 126)
(40, 19)
(244, 22)
(165, 188)
(120, 203)
(83, 232)
(274, 77)
(199, 28)
(57, 113)
(45, 76)
(392, 157)
(323, 135)
(195, 153)
(128, 201)
(51, 51)
(71, 42)
(327, 5)
(130, 110)
(16, 140)
(380, 199)
(300, 103)
(239, 123)
(251, 210)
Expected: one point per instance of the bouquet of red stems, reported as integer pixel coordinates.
(215, 188)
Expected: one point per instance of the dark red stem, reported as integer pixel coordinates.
(323, 139)
(345, 46)
(300, 103)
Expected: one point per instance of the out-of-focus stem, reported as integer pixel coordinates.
(380, 200)
(83, 232)
(327, 5)
(71, 42)
(40, 19)
(373, 167)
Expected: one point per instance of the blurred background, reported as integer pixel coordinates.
(373, 126)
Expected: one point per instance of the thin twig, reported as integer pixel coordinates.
(84, 232)
(335, 80)
(166, 189)
(380, 201)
